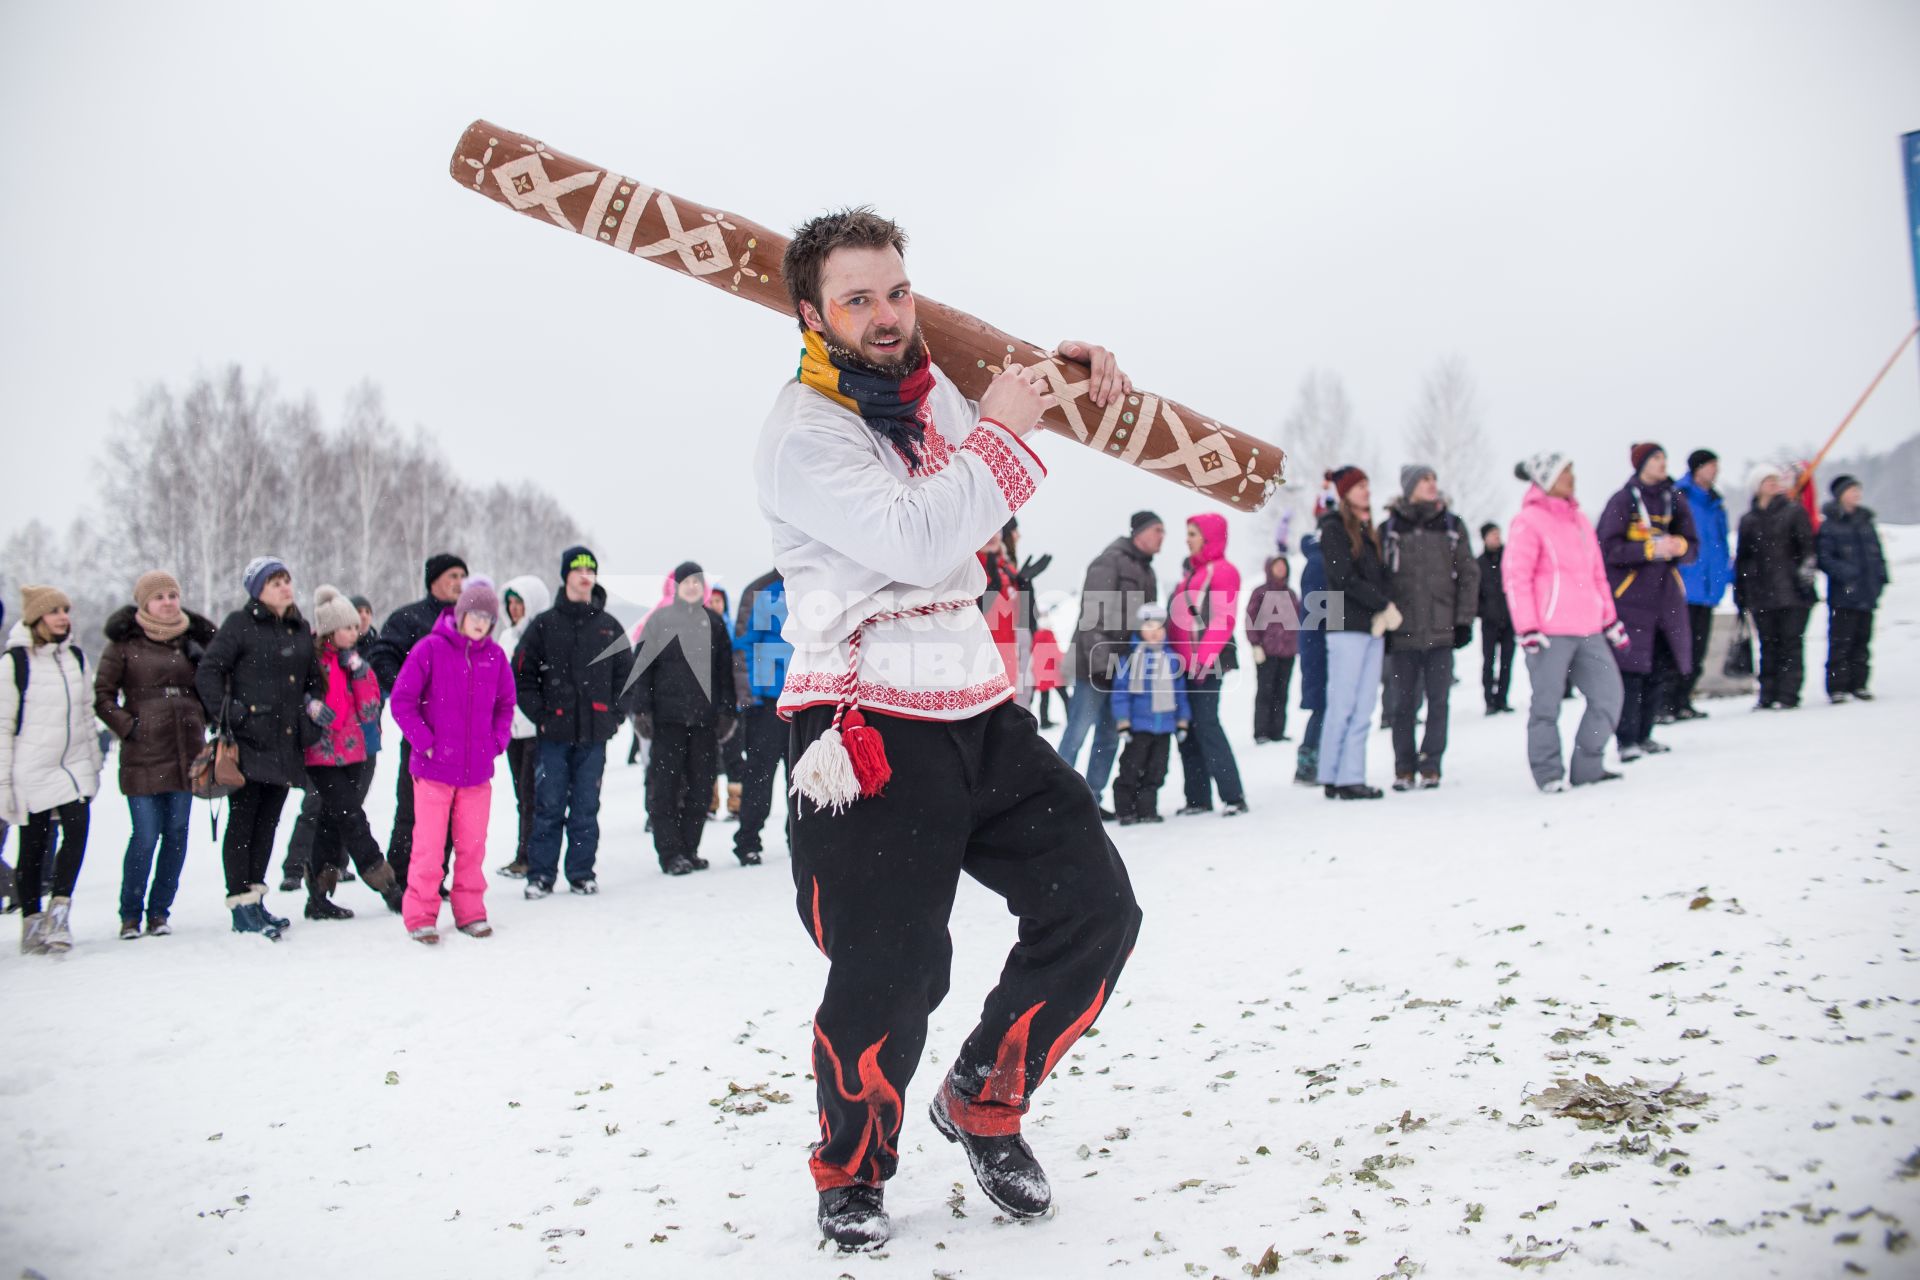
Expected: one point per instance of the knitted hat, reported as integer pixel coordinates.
(577, 558)
(1543, 469)
(361, 602)
(438, 565)
(1344, 478)
(1641, 452)
(1700, 458)
(1142, 520)
(259, 569)
(332, 612)
(1763, 471)
(478, 596)
(1411, 475)
(687, 569)
(1152, 613)
(151, 585)
(1841, 484)
(37, 602)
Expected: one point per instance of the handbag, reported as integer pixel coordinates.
(1739, 663)
(215, 772)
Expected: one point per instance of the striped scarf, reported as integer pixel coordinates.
(896, 408)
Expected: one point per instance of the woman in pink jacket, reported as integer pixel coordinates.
(1556, 585)
(1200, 620)
(454, 702)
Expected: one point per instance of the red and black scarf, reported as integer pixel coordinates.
(895, 407)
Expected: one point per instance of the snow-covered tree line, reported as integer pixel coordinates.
(200, 479)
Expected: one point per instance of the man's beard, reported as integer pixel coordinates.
(913, 353)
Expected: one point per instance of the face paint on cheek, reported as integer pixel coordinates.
(838, 320)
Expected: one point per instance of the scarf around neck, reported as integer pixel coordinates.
(158, 631)
(896, 408)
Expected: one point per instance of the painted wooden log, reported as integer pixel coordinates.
(1149, 431)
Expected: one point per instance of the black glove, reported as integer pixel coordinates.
(1462, 635)
(1034, 568)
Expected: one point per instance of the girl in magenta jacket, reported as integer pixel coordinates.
(454, 701)
(1200, 620)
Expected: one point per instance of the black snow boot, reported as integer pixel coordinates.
(320, 887)
(1003, 1165)
(854, 1217)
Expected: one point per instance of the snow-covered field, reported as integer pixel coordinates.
(1320, 1058)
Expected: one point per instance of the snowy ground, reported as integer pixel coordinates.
(1321, 1055)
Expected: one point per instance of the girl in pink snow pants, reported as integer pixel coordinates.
(453, 701)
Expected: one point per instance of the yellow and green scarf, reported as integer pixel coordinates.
(896, 408)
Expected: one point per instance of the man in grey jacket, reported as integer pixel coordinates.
(1118, 582)
(1435, 583)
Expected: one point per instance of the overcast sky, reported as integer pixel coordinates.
(1682, 222)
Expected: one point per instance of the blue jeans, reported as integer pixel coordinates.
(157, 820)
(1090, 710)
(1206, 758)
(1353, 687)
(566, 793)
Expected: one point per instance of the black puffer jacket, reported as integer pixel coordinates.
(570, 691)
(1356, 577)
(406, 627)
(1495, 618)
(1118, 582)
(144, 691)
(1851, 557)
(264, 670)
(1773, 568)
(1431, 574)
(665, 686)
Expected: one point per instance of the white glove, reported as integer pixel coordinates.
(1388, 619)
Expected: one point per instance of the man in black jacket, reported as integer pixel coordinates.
(407, 626)
(1118, 582)
(571, 670)
(1850, 554)
(684, 700)
(1496, 624)
(1773, 576)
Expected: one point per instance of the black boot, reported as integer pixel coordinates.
(1004, 1165)
(853, 1216)
(320, 887)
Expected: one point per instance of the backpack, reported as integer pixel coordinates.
(23, 670)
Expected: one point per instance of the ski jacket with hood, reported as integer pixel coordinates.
(571, 668)
(1431, 574)
(454, 704)
(1709, 575)
(1205, 605)
(1555, 581)
(1851, 557)
(55, 758)
(1273, 612)
(537, 599)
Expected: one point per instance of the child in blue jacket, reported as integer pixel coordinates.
(1149, 706)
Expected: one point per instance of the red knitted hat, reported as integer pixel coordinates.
(1641, 452)
(1344, 478)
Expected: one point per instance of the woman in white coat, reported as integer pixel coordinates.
(523, 599)
(49, 759)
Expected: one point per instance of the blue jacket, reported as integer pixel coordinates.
(760, 655)
(1313, 640)
(1851, 557)
(1709, 576)
(1133, 695)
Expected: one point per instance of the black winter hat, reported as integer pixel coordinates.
(361, 602)
(1841, 484)
(437, 565)
(1700, 458)
(1143, 520)
(1489, 525)
(687, 570)
(577, 558)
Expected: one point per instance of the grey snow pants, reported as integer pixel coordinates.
(1597, 677)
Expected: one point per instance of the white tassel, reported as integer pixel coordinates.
(825, 774)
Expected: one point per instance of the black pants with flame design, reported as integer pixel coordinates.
(876, 882)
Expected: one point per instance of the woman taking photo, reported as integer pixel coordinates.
(261, 678)
(144, 693)
(49, 761)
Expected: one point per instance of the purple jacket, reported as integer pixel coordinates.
(1647, 593)
(453, 701)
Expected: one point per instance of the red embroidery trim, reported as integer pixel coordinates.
(868, 693)
(1016, 486)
